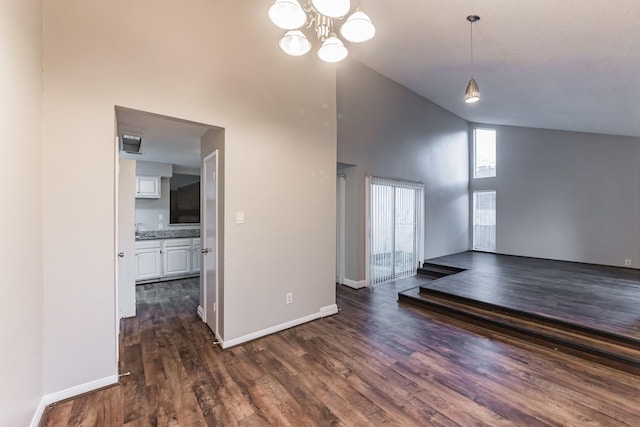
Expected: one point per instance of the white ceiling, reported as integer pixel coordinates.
(164, 139)
(569, 64)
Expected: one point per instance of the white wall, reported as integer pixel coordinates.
(567, 195)
(216, 63)
(387, 130)
(21, 214)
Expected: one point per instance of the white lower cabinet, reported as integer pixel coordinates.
(149, 260)
(177, 257)
(167, 259)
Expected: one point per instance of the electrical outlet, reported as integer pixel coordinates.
(289, 298)
(627, 262)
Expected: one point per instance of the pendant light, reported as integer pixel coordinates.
(358, 28)
(295, 43)
(332, 8)
(287, 14)
(332, 50)
(472, 94)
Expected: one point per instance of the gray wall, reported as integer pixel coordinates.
(567, 195)
(387, 130)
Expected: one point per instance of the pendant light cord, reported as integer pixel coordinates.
(472, 19)
(471, 53)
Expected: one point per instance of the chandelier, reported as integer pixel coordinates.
(321, 16)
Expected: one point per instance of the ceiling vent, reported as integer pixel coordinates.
(130, 144)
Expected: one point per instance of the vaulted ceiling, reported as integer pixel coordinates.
(570, 64)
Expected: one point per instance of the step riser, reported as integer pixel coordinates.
(586, 352)
(557, 324)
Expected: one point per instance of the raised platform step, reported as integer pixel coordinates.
(436, 271)
(618, 352)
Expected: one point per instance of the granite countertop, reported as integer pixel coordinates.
(167, 234)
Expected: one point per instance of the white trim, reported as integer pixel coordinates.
(203, 239)
(116, 243)
(367, 230)
(355, 284)
(323, 312)
(341, 224)
(37, 417)
(201, 313)
(58, 396)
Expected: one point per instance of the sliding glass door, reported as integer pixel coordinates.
(394, 214)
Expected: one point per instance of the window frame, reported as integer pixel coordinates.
(474, 161)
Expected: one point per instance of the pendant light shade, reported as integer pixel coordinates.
(287, 14)
(358, 28)
(332, 8)
(295, 43)
(472, 94)
(332, 50)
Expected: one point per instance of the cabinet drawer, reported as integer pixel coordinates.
(149, 244)
(172, 243)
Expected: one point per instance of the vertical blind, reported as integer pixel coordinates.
(484, 221)
(394, 228)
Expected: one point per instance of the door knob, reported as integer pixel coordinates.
(205, 250)
(121, 254)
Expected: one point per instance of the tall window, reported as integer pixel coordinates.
(484, 151)
(484, 221)
(394, 228)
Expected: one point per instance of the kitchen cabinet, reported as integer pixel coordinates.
(148, 260)
(167, 259)
(147, 187)
(177, 257)
(196, 256)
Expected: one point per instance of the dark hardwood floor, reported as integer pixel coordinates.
(376, 362)
(593, 296)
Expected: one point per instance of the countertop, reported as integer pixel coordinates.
(168, 234)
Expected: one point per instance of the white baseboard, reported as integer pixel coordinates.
(201, 313)
(323, 312)
(35, 421)
(48, 399)
(355, 284)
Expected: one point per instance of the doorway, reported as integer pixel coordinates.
(394, 228)
(168, 147)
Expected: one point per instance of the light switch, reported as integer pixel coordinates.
(160, 217)
(239, 217)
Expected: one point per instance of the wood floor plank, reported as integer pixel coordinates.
(375, 363)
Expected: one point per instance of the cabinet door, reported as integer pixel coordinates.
(147, 187)
(196, 258)
(148, 261)
(177, 260)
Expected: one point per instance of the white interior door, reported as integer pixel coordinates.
(126, 239)
(209, 272)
